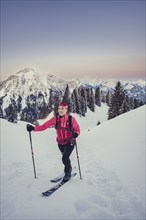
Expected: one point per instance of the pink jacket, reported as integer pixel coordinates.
(62, 134)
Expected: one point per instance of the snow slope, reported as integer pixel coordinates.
(112, 157)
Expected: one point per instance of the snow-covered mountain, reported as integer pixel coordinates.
(28, 81)
(112, 159)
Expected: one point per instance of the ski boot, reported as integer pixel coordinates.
(67, 176)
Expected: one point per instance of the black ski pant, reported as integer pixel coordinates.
(66, 151)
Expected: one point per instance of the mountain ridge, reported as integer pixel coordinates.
(28, 73)
(27, 81)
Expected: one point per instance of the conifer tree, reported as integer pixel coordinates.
(11, 114)
(16, 106)
(108, 98)
(77, 102)
(97, 97)
(83, 101)
(131, 100)
(117, 99)
(29, 113)
(88, 96)
(103, 96)
(51, 99)
(125, 107)
(42, 107)
(19, 103)
(1, 110)
(57, 100)
(141, 103)
(91, 103)
(73, 104)
(66, 97)
(136, 104)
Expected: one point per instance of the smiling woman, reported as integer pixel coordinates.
(67, 130)
(62, 109)
(73, 38)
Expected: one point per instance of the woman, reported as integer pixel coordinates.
(67, 130)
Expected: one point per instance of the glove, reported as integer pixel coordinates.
(75, 135)
(29, 127)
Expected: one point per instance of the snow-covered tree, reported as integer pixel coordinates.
(42, 107)
(66, 96)
(51, 99)
(29, 113)
(57, 99)
(125, 107)
(90, 99)
(131, 101)
(73, 104)
(19, 103)
(83, 101)
(11, 114)
(98, 97)
(108, 98)
(136, 103)
(77, 102)
(103, 96)
(1, 110)
(117, 99)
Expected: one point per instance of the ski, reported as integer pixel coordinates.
(54, 188)
(57, 179)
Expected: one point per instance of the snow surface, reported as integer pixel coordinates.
(112, 158)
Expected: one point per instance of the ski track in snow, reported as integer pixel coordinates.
(101, 196)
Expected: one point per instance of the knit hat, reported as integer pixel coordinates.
(63, 104)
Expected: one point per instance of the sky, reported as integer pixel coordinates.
(102, 39)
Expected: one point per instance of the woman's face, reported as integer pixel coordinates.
(62, 110)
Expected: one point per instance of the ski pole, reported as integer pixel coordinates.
(32, 154)
(78, 159)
